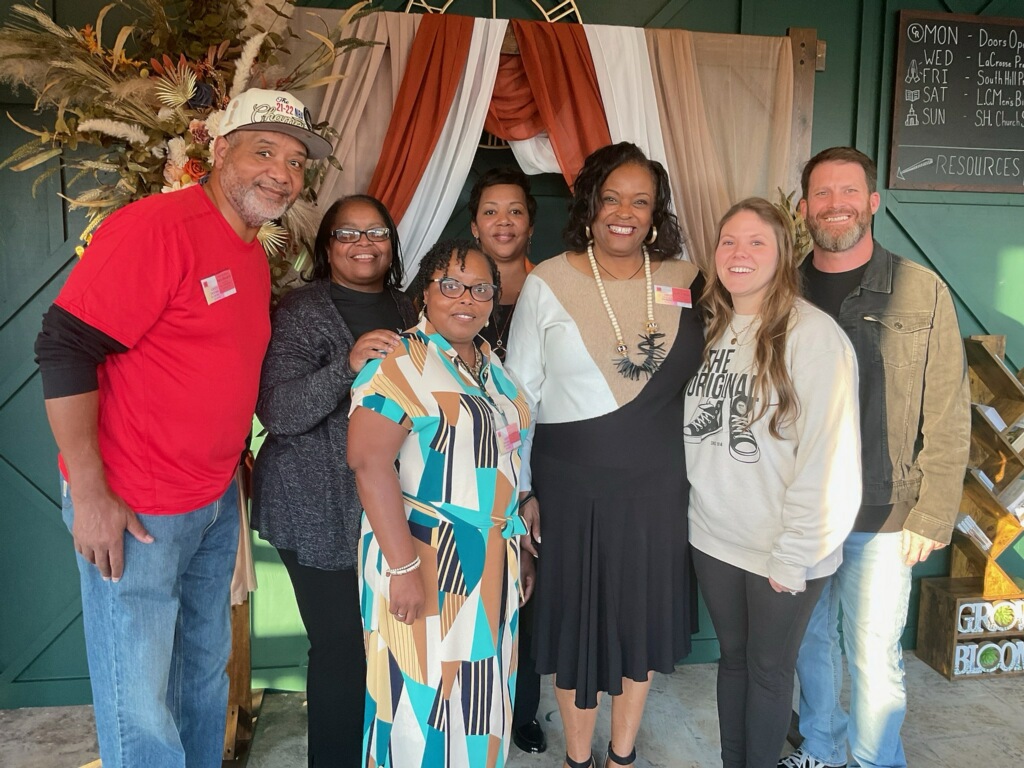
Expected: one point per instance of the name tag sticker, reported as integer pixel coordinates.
(674, 297)
(219, 286)
(508, 438)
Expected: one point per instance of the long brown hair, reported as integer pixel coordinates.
(775, 312)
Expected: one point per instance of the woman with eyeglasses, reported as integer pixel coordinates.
(434, 440)
(304, 498)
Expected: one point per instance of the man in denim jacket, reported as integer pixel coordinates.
(915, 431)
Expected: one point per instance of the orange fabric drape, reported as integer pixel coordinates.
(512, 114)
(560, 71)
(432, 76)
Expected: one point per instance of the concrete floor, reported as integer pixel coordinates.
(971, 724)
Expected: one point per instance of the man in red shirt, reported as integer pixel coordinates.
(150, 359)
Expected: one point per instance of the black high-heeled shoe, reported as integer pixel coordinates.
(577, 764)
(628, 760)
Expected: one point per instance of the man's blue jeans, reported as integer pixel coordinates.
(158, 640)
(873, 587)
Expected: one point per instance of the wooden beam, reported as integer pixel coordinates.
(805, 54)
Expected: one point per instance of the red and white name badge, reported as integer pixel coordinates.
(219, 286)
(673, 297)
(509, 438)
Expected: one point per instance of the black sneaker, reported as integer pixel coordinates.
(706, 422)
(742, 445)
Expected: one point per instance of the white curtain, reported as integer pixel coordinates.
(627, 87)
(438, 192)
(535, 155)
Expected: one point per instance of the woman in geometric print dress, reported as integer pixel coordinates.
(439, 556)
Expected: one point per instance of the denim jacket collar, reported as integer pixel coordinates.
(878, 276)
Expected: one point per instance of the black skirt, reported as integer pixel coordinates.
(616, 597)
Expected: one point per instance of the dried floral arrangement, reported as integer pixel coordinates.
(797, 226)
(133, 113)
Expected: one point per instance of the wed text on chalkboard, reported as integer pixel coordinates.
(958, 106)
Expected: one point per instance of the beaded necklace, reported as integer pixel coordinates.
(652, 350)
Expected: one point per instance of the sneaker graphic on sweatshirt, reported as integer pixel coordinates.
(742, 445)
(706, 422)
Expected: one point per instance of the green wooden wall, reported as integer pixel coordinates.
(974, 240)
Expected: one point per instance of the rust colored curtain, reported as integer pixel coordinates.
(512, 114)
(556, 60)
(432, 76)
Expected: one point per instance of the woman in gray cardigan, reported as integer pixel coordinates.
(304, 494)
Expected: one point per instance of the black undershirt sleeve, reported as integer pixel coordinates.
(68, 351)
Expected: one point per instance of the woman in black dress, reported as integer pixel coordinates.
(604, 338)
(503, 211)
(304, 494)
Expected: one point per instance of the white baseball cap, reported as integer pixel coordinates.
(261, 110)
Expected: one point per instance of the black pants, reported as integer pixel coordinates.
(336, 678)
(527, 679)
(759, 631)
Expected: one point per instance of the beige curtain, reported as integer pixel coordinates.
(726, 106)
(359, 106)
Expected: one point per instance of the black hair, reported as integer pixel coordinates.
(587, 192)
(504, 175)
(840, 155)
(439, 258)
(321, 268)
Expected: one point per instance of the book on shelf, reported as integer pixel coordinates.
(1015, 435)
(981, 477)
(969, 528)
(1012, 497)
(991, 416)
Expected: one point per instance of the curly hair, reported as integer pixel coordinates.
(439, 258)
(321, 267)
(775, 313)
(586, 199)
(505, 175)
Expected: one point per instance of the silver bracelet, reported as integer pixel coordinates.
(404, 569)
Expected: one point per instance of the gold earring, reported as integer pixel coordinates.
(652, 236)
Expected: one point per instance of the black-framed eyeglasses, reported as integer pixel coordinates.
(373, 234)
(453, 289)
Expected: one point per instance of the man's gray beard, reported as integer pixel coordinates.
(837, 242)
(252, 210)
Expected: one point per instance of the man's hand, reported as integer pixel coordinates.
(530, 512)
(98, 529)
(527, 576)
(915, 548)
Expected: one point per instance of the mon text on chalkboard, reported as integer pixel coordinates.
(958, 106)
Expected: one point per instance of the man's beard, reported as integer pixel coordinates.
(251, 207)
(835, 240)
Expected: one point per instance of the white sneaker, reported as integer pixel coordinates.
(801, 759)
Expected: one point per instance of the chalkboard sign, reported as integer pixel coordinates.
(958, 106)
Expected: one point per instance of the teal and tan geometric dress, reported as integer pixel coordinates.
(439, 693)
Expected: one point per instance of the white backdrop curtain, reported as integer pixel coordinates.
(449, 165)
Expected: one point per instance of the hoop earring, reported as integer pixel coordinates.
(652, 236)
(590, 237)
